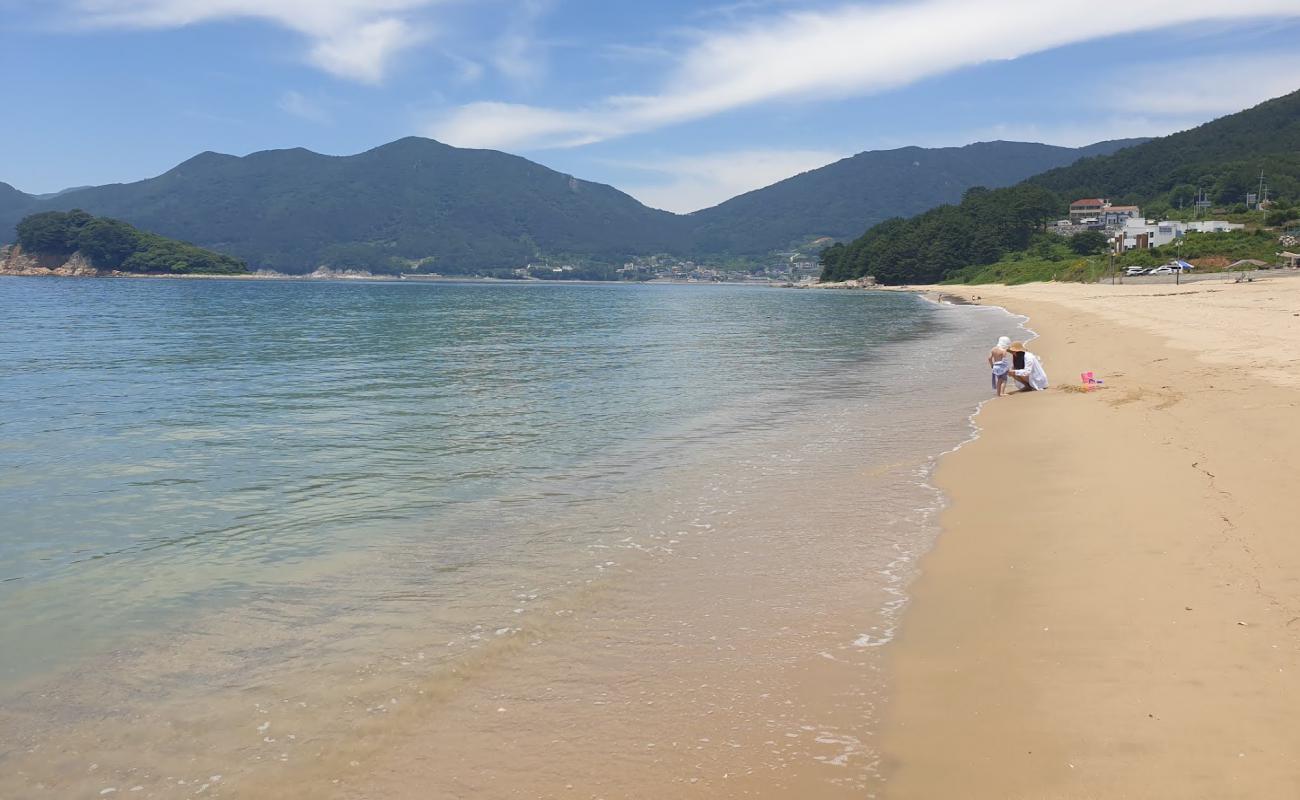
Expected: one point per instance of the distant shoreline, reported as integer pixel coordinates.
(374, 278)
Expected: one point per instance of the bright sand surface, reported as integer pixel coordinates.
(1113, 610)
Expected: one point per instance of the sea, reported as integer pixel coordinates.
(387, 539)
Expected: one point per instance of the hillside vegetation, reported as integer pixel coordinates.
(417, 205)
(111, 244)
(842, 199)
(1001, 232)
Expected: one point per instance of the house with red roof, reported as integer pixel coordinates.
(1087, 208)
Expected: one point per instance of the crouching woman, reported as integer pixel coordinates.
(1027, 368)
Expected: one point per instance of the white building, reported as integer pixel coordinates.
(1141, 234)
(1213, 226)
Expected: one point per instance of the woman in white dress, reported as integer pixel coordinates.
(1027, 368)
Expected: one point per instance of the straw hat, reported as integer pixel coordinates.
(1017, 347)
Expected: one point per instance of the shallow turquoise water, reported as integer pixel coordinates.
(229, 427)
(221, 489)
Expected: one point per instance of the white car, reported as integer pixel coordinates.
(1165, 270)
(1131, 271)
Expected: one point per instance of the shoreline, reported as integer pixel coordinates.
(1110, 610)
(343, 278)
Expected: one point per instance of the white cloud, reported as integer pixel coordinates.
(1214, 86)
(517, 54)
(299, 105)
(852, 50)
(689, 183)
(354, 39)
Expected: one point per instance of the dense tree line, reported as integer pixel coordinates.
(114, 245)
(987, 224)
(1224, 158)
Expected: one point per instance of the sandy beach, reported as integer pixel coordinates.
(1113, 610)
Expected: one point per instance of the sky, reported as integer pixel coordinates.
(681, 104)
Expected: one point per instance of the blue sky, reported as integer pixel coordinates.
(682, 104)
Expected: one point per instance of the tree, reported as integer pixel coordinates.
(52, 232)
(1088, 243)
(1280, 216)
(112, 244)
(107, 242)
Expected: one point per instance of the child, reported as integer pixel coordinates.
(1000, 363)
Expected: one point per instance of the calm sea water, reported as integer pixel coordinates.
(212, 489)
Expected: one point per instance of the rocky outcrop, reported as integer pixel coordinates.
(13, 261)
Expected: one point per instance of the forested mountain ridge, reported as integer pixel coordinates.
(385, 209)
(987, 225)
(842, 199)
(418, 204)
(1224, 157)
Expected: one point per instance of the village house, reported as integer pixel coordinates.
(1086, 209)
(1141, 234)
(1116, 216)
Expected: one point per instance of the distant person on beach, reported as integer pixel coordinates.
(1000, 363)
(1027, 368)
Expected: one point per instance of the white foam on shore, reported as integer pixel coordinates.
(898, 578)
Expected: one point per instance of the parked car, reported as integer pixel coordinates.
(1131, 271)
(1165, 270)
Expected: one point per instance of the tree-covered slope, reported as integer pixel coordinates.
(988, 225)
(416, 202)
(13, 205)
(1223, 157)
(840, 200)
(111, 244)
(406, 201)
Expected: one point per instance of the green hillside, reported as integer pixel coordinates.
(1004, 228)
(111, 244)
(388, 209)
(416, 204)
(841, 199)
(1224, 157)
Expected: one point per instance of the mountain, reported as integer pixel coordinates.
(13, 205)
(987, 227)
(383, 209)
(416, 203)
(842, 199)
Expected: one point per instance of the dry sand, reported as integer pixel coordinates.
(1114, 608)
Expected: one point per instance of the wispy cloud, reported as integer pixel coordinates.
(851, 50)
(689, 183)
(353, 39)
(303, 107)
(518, 53)
(1204, 87)
(1174, 96)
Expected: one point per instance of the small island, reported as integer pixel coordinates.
(75, 243)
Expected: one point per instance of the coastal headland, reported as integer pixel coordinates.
(1113, 609)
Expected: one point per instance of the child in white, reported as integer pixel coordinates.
(1000, 363)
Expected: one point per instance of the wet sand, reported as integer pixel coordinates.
(1113, 609)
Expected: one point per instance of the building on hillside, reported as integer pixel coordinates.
(1141, 234)
(1088, 208)
(1213, 226)
(1116, 216)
